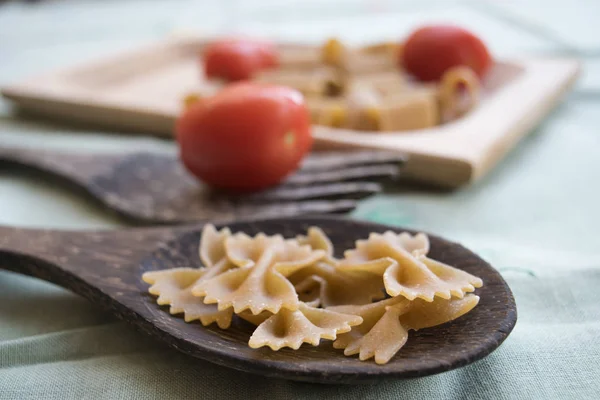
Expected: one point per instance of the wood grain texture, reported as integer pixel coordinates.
(155, 188)
(142, 91)
(106, 268)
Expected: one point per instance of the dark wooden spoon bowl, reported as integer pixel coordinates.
(106, 268)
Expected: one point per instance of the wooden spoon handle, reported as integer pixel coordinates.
(104, 259)
(36, 253)
(104, 267)
(38, 243)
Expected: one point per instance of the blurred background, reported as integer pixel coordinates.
(35, 36)
(39, 36)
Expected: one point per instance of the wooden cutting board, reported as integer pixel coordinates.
(142, 91)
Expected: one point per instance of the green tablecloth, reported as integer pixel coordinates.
(535, 217)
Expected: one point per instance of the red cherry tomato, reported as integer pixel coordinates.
(267, 51)
(430, 51)
(238, 59)
(247, 137)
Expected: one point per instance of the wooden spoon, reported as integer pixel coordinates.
(156, 189)
(106, 268)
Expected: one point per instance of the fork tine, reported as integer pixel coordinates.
(339, 159)
(347, 190)
(264, 210)
(384, 171)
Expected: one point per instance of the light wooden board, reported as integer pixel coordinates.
(142, 91)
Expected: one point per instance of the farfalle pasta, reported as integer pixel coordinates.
(386, 324)
(317, 240)
(174, 286)
(330, 286)
(406, 271)
(304, 325)
(295, 291)
(260, 283)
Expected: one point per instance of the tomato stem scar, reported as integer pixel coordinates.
(289, 139)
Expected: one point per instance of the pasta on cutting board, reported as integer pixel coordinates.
(364, 89)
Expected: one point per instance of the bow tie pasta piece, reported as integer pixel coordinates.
(384, 339)
(416, 245)
(244, 250)
(411, 274)
(380, 324)
(427, 278)
(398, 246)
(290, 328)
(309, 289)
(212, 245)
(423, 314)
(294, 257)
(317, 240)
(386, 324)
(323, 284)
(255, 319)
(260, 283)
(174, 287)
